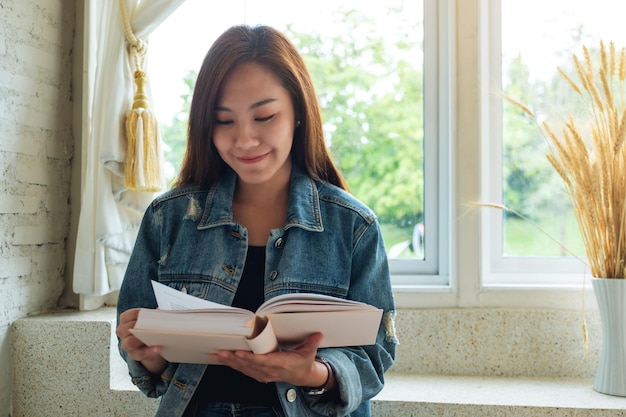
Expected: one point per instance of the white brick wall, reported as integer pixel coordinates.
(36, 39)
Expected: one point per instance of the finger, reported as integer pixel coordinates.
(311, 344)
(250, 364)
(131, 343)
(315, 339)
(123, 330)
(127, 321)
(139, 351)
(129, 315)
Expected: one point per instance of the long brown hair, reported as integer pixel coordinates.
(268, 47)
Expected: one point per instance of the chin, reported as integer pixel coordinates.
(262, 174)
(254, 178)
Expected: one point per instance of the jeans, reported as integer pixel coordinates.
(231, 410)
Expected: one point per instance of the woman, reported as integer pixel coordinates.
(258, 210)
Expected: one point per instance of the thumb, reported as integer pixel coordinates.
(312, 343)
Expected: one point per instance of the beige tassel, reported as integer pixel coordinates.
(143, 155)
(143, 171)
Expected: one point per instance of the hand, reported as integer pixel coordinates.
(149, 356)
(297, 366)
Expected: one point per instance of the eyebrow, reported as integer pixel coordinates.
(252, 106)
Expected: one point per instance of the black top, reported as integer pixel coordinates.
(224, 384)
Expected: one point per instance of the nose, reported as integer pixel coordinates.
(246, 136)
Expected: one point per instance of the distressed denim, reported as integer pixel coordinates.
(330, 244)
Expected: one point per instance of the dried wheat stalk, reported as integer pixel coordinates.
(592, 160)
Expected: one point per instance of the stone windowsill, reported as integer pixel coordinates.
(59, 341)
(441, 395)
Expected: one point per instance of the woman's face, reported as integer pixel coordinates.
(254, 125)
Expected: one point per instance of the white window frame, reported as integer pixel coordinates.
(470, 60)
(509, 270)
(433, 270)
(429, 281)
(512, 281)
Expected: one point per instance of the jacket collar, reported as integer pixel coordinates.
(303, 211)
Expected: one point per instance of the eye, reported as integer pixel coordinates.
(265, 119)
(223, 122)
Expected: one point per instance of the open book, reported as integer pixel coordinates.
(189, 328)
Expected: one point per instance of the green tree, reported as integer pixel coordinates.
(174, 133)
(531, 186)
(525, 168)
(370, 90)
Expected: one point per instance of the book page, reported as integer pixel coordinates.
(190, 347)
(299, 302)
(345, 328)
(263, 339)
(169, 298)
(210, 321)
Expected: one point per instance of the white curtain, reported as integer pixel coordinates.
(110, 214)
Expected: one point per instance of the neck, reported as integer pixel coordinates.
(270, 193)
(261, 194)
(262, 207)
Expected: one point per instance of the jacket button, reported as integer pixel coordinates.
(291, 395)
(273, 275)
(279, 243)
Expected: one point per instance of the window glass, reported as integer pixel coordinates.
(537, 37)
(366, 60)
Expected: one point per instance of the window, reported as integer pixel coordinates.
(474, 148)
(526, 47)
(376, 67)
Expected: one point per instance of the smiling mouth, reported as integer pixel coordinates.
(252, 159)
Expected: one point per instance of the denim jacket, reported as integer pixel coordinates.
(330, 244)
